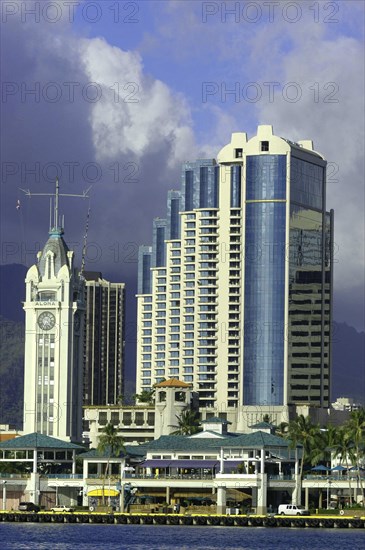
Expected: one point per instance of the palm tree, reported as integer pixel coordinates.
(111, 444)
(146, 396)
(356, 429)
(282, 429)
(303, 432)
(344, 449)
(188, 423)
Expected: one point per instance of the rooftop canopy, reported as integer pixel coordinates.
(173, 383)
(37, 441)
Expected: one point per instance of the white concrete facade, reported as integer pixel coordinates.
(192, 325)
(54, 321)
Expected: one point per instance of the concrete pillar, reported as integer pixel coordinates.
(34, 487)
(85, 469)
(35, 458)
(262, 461)
(85, 498)
(262, 494)
(168, 495)
(4, 495)
(221, 462)
(296, 495)
(307, 498)
(320, 499)
(74, 461)
(221, 499)
(121, 498)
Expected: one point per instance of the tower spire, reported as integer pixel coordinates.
(55, 219)
(57, 227)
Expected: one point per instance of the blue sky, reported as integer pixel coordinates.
(162, 55)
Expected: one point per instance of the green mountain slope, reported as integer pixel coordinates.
(11, 372)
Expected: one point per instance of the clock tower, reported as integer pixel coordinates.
(54, 321)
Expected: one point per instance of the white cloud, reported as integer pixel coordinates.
(136, 114)
(337, 129)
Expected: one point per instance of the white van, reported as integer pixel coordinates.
(292, 510)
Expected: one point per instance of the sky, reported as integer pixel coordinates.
(118, 95)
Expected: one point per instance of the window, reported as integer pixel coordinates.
(238, 153)
(264, 145)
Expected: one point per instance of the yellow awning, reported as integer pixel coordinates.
(99, 493)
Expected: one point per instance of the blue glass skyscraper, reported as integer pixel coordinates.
(240, 291)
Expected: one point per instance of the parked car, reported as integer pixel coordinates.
(62, 509)
(292, 510)
(28, 507)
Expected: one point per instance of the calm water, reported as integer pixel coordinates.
(149, 537)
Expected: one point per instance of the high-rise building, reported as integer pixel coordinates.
(234, 295)
(54, 320)
(104, 340)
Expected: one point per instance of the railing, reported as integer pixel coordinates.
(334, 477)
(281, 477)
(101, 476)
(6, 475)
(64, 476)
(168, 476)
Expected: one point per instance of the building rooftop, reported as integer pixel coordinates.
(215, 420)
(262, 426)
(37, 441)
(255, 440)
(59, 248)
(173, 383)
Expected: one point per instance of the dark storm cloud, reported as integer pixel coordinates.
(62, 116)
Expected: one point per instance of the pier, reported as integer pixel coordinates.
(223, 520)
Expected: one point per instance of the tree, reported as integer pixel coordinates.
(328, 440)
(356, 429)
(111, 445)
(302, 431)
(188, 423)
(282, 429)
(146, 396)
(344, 449)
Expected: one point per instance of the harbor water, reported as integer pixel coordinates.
(31, 536)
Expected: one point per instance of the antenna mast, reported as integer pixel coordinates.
(56, 196)
(85, 241)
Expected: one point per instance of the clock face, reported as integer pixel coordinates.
(46, 320)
